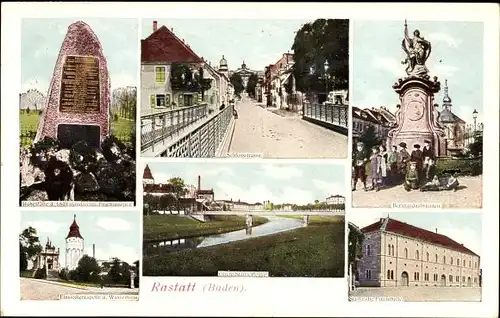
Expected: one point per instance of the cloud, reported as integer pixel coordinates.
(370, 98)
(114, 224)
(122, 80)
(44, 53)
(281, 172)
(125, 253)
(219, 170)
(35, 83)
(328, 188)
(445, 38)
(388, 64)
(46, 226)
(260, 193)
(444, 70)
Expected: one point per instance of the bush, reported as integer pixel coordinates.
(467, 167)
(41, 273)
(64, 274)
(73, 275)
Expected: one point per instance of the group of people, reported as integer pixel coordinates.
(416, 170)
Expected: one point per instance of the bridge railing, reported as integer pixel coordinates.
(160, 125)
(331, 114)
(204, 141)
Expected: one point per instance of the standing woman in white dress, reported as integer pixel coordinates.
(383, 165)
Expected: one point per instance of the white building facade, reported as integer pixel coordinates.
(74, 246)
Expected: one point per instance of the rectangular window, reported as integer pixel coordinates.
(188, 100)
(160, 74)
(160, 100)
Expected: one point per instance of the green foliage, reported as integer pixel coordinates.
(87, 270)
(119, 272)
(41, 273)
(23, 261)
(467, 166)
(316, 42)
(289, 85)
(237, 82)
(29, 243)
(476, 148)
(182, 79)
(252, 84)
(355, 240)
(369, 138)
(64, 274)
(204, 84)
(313, 251)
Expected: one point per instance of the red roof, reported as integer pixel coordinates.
(147, 173)
(164, 46)
(74, 229)
(405, 229)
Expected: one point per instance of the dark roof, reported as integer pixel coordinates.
(147, 173)
(164, 46)
(447, 116)
(74, 229)
(408, 230)
(211, 191)
(363, 115)
(336, 196)
(159, 188)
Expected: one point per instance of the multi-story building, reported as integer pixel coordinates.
(159, 52)
(241, 206)
(380, 118)
(335, 199)
(454, 126)
(399, 254)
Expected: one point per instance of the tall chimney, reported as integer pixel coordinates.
(436, 230)
(155, 26)
(93, 245)
(199, 183)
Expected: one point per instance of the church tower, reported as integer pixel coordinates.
(74, 245)
(446, 98)
(223, 68)
(147, 177)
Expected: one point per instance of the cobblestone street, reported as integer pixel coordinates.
(415, 294)
(259, 130)
(469, 196)
(34, 289)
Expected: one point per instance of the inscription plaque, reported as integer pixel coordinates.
(69, 134)
(80, 90)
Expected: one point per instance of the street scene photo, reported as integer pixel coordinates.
(413, 146)
(79, 255)
(77, 111)
(414, 256)
(244, 88)
(207, 219)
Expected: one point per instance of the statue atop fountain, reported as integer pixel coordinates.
(417, 116)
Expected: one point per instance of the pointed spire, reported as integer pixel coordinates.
(446, 97)
(74, 217)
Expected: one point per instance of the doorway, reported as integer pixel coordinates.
(443, 280)
(404, 279)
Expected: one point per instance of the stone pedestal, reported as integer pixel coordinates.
(77, 106)
(417, 119)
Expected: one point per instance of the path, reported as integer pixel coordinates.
(417, 293)
(37, 289)
(469, 197)
(261, 131)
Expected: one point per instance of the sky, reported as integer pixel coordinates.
(257, 42)
(115, 234)
(258, 182)
(41, 41)
(464, 228)
(456, 55)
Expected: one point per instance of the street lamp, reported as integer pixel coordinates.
(474, 115)
(327, 76)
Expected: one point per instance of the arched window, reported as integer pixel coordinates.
(417, 255)
(393, 251)
(458, 261)
(436, 258)
(406, 252)
(389, 249)
(368, 250)
(463, 264)
(427, 256)
(444, 259)
(451, 278)
(470, 263)
(475, 264)
(451, 262)
(392, 274)
(388, 274)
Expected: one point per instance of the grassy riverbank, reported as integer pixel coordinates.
(166, 227)
(313, 251)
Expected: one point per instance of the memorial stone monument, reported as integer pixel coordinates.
(417, 118)
(77, 105)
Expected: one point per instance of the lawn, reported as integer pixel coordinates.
(313, 251)
(120, 128)
(166, 227)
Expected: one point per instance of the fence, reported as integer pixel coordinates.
(335, 115)
(160, 125)
(203, 141)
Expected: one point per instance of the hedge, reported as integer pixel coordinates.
(467, 166)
